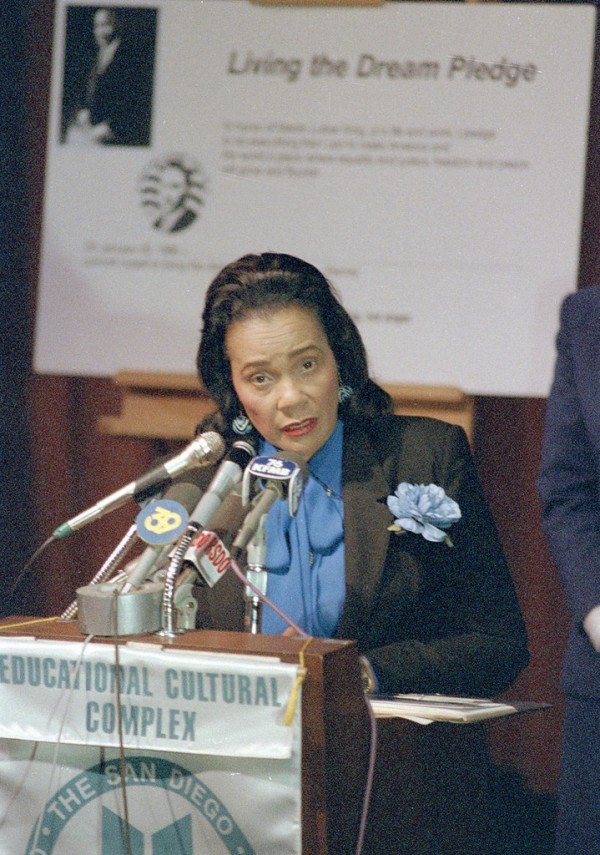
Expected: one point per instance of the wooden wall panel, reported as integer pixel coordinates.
(507, 450)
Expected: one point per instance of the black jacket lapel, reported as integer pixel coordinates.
(366, 520)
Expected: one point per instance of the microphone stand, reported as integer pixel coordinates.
(107, 569)
(256, 574)
(168, 610)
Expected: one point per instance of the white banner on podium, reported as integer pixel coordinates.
(169, 700)
(69, 800)
(207, 765)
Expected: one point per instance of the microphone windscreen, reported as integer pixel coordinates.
(185, 493)
(230, 516)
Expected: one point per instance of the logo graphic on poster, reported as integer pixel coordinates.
(172, 192)
(169, 810)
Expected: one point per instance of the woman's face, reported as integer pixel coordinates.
(285, 376)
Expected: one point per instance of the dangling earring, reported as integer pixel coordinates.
(344, 392)
(241, 425)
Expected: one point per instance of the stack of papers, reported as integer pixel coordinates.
(428, 708)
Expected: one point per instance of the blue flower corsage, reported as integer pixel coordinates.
(423, 509)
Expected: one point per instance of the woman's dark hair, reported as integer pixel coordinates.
(258, 284)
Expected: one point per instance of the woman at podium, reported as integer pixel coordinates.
(392, 543)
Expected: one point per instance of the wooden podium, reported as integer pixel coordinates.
(433, 788)
(335, 725)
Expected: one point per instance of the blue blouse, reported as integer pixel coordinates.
(305, 553)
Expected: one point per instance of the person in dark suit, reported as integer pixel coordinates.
(114, 104)
(569, 487)
(430, 602)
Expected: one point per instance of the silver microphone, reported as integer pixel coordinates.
(205, 450)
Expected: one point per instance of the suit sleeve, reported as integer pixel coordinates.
(449, 615)
(568, 481)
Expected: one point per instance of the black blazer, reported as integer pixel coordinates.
(430, 617)
(122, 95)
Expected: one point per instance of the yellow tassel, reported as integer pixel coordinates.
(291, 707)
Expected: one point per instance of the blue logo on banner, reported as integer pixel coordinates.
(175, 837)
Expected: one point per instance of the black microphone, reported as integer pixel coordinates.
(208, 551)
(229, 474)
(186, 497)
(203, 451)
(284, 474)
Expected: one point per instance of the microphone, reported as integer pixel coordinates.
(160, 524)
(256, 575)
(203, 451)
(208, 551)
(228, 474)
(285, 474)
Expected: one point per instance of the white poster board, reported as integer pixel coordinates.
(428, 157)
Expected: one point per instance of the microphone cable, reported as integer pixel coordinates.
(28, 565)
(77, 668)
(263, 597)
(122, 756)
